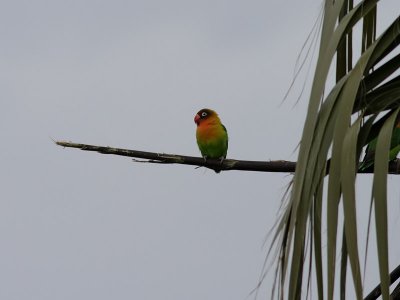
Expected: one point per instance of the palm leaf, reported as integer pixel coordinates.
(332, 133)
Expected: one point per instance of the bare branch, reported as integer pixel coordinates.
(214, 164)
(282, 166)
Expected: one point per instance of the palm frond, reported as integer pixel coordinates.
(361, 105)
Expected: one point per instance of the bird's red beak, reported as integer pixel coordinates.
(197, 119)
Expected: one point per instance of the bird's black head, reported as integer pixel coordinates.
(203, 114)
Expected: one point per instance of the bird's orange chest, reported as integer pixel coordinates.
(206, 132)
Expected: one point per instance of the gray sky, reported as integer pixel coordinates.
(132, 74)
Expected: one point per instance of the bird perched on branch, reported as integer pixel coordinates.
(369, 156)
(211, 135)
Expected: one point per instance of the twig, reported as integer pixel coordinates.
(164, 158)
(282, 166)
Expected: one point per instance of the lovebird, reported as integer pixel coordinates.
(369, 156)
(211, 135)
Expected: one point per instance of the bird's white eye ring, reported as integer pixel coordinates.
(203, 114)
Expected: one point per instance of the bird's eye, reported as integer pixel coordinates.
(203, 114)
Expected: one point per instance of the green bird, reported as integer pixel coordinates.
(211, 135)
(369, 156)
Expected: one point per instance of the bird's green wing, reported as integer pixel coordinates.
(226, 143)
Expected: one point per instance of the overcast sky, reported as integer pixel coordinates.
(132, 74)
